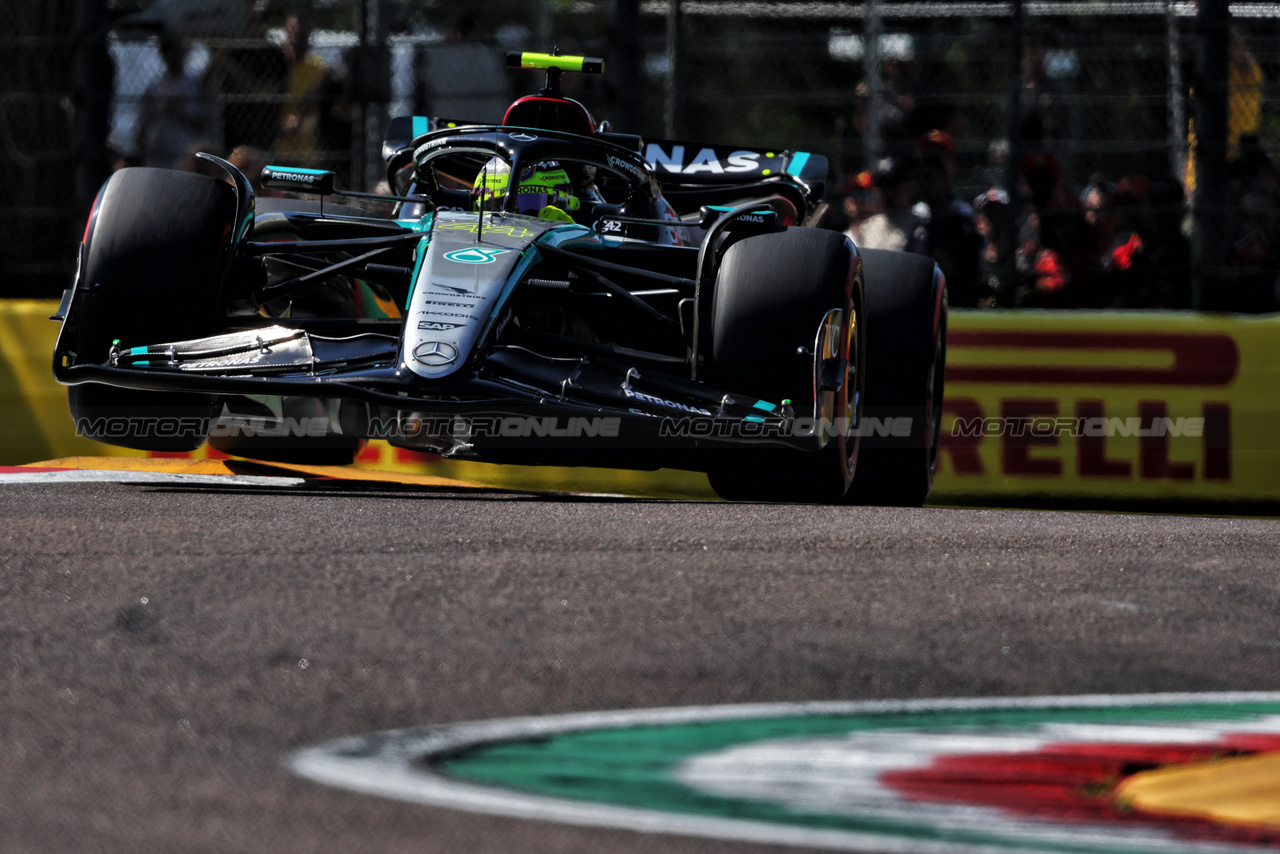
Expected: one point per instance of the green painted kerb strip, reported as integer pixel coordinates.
(636, 766)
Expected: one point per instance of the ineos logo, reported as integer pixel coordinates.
(435, 353)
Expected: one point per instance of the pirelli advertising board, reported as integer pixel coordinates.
(1111, 404)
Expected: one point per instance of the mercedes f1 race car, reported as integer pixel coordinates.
(542, 291)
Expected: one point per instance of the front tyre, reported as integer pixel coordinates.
(153, 264)
(786, 325)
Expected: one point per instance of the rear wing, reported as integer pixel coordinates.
(675, 163)
(698, 164)
(403, 130)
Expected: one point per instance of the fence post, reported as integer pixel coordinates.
(1177, 109)
(374, 92)
(1013, 166)
(626, 59)
(1209, 241)
(873, 142)
(671, 106)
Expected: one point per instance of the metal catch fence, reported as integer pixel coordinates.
(1060, 132)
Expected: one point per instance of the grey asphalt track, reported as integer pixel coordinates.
(164, 648)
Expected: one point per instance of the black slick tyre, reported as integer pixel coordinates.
(153, 262)
(906, 360)
(772, 294)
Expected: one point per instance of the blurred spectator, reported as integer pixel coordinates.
(1251, 169)
(898, 72)
(1042, 115)
(940, 144)
(175, 112)
(995, 173)
(1244, 104)
(952, 239)
(1244, 99)
(861, 201)
(192, 163)
(897, 227)
(336, 120)
(251, 162)
(1151, 265)
(250, 73)
(1170, 263)
(1118, 213)
(304, 85)
(997, 285)
(1255, 255)
(1059, 263)
(1100, 212)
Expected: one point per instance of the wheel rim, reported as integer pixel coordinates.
(937, 378)
(842, 407)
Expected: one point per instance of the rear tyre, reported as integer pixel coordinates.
(773, 292)
(906, 349)
(153, 264)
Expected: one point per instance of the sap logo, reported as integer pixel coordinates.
(704, 161)
(436, 326)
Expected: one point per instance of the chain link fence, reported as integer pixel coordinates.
(1038, 150)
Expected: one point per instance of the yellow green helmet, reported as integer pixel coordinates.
(540, 186)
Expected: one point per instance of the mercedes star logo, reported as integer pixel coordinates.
(435, 353)
(524, 137)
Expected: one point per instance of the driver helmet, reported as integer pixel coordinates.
(543, 189)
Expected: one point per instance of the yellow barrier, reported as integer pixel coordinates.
(1118, 405)
(1055, 404)
(37, 425)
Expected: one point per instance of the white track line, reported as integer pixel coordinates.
(152, 477)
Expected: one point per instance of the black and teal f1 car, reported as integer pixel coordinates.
(541, 291)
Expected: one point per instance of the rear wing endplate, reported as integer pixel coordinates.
(405, 129)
